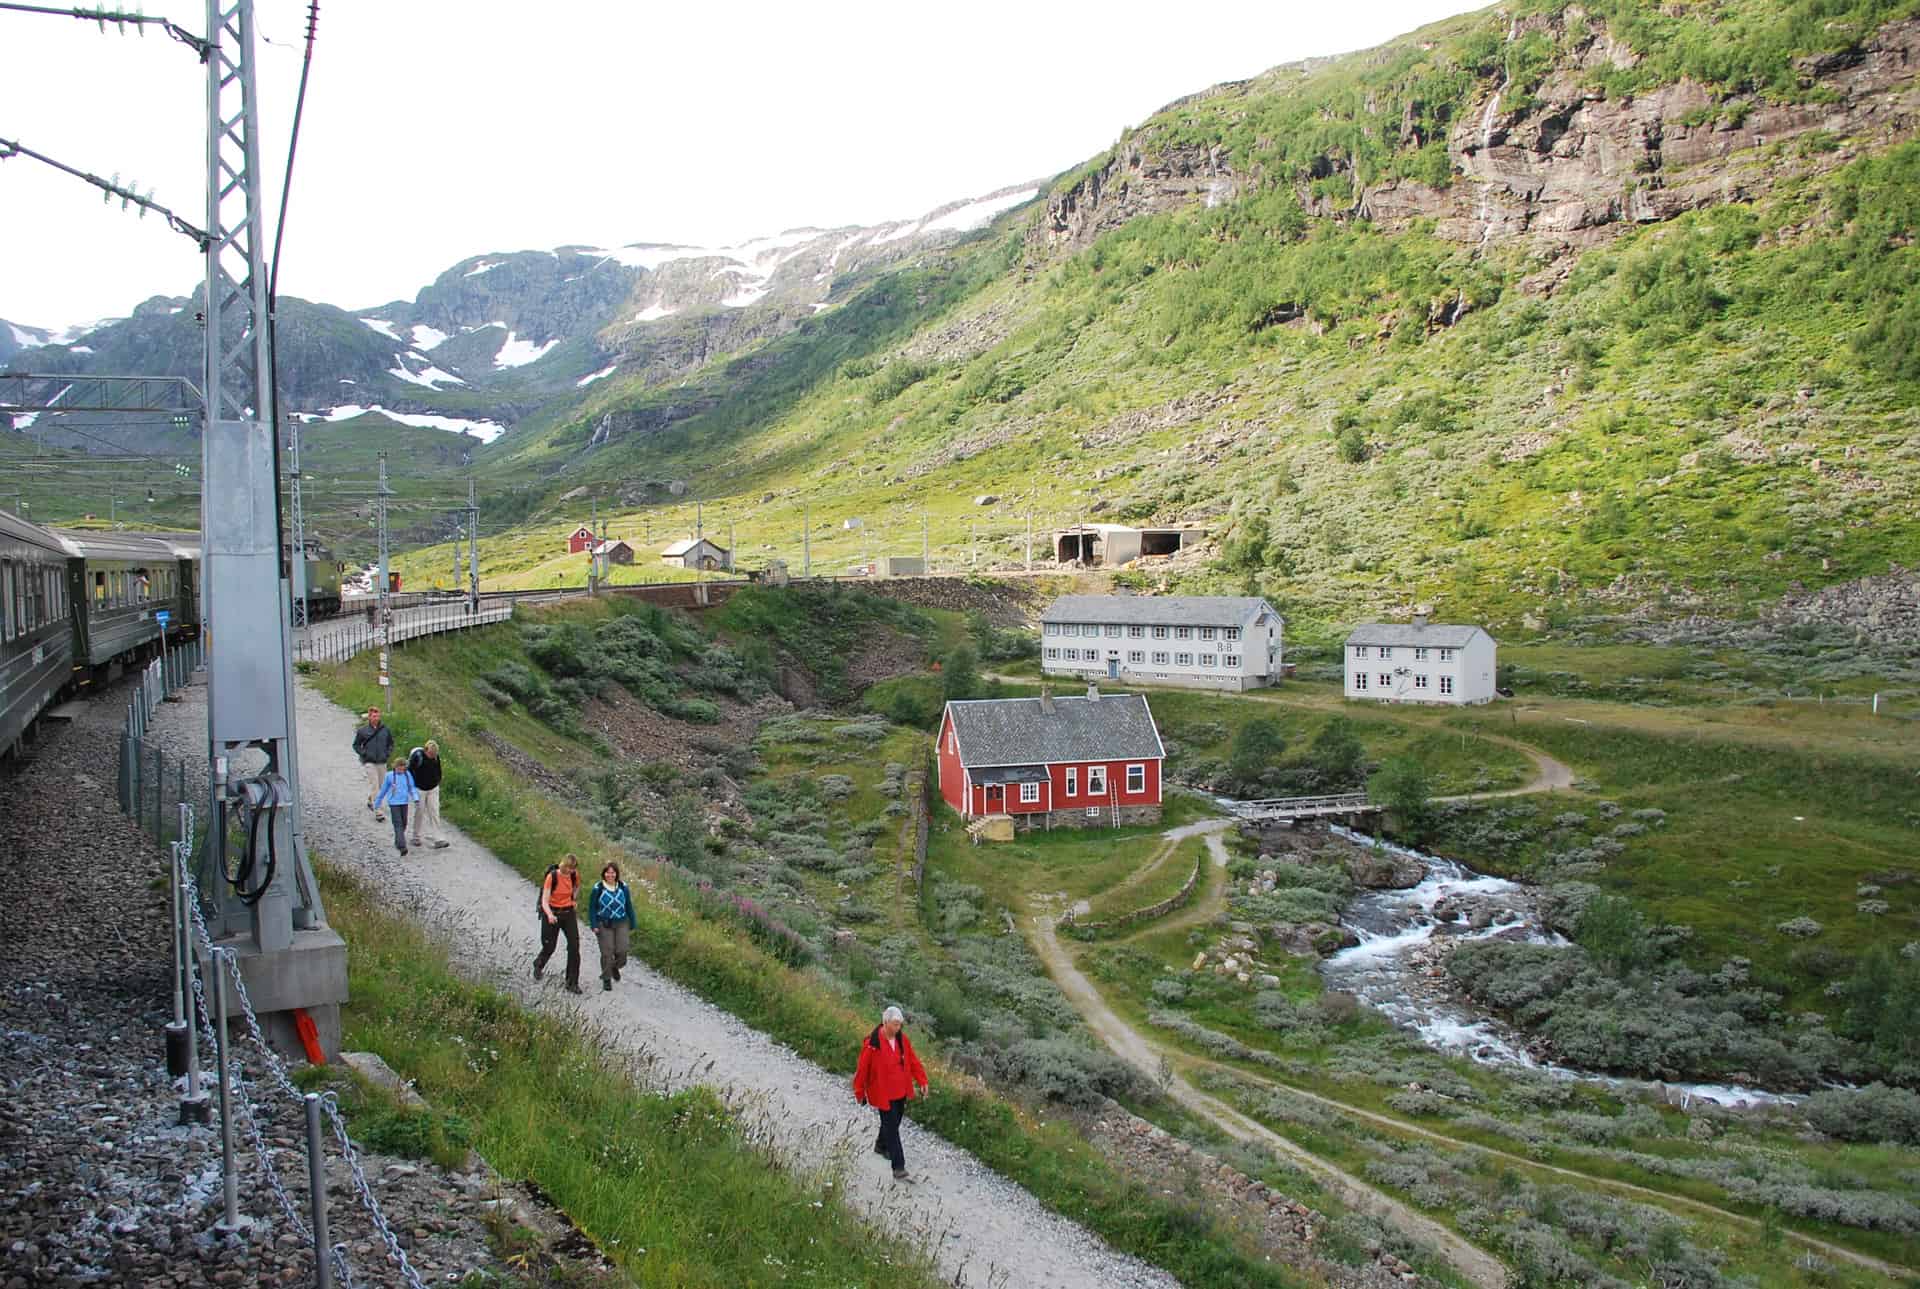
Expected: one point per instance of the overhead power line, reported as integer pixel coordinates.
(113, 188)
(121, 20)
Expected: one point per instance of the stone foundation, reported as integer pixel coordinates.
(1130, 816)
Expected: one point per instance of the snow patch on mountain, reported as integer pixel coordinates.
(652, 313)
(602, 374)
(432, 377)
(515, 352)
(384, 327)
(485, 431)
(425, 337)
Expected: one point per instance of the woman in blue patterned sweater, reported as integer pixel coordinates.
(610, 916)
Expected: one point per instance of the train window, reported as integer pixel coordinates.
(6, 601)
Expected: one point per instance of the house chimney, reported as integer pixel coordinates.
(1046, 699)
(1419, 619)
(1421, 612)
(1093, 692)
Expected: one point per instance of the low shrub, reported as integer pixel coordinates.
(1873, 1113)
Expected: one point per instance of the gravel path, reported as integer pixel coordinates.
(982, 1229)
(98, 1182)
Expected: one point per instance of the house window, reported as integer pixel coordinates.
(1136, 655)
(1419, 682)
(1359, 680)
(1419, 655)
(1446, 684)
(1096, 780)
(1052, 628)
(1207, 633)
(1093, 655)
(1051, 652)
(953, 741)
(1073, 780)
(1232, 660)
(1386, 651)
(1386, 681)
(1029, 794)
(1159, 658)
(1135, 633)
(1136, 778)
(1159, 633)
(1093, 812)
(1359, 651)
(1206, 660)
(1183, 633)
(1446, 655)
(1230, 633)
(1183, 660)
(1113, 629)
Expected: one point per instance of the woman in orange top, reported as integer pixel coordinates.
(557, 915)
(885, 1080)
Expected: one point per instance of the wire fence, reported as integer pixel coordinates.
(341, 641)
(241, 1099)
(155, 790)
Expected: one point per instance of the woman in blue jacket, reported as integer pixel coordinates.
(610, 916)
(397, 792)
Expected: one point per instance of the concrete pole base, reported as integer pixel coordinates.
(197, 1108)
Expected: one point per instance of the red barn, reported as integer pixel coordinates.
(580, 539)
(1086, 762)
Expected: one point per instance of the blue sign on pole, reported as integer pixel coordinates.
(161, 617)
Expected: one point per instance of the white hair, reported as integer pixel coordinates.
(893, 1013)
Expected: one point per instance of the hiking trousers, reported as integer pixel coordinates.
(564, 923)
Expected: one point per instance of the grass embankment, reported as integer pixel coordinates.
(814, 1010)
(1786, 813)
(677, 1190)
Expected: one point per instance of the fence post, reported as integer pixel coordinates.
(194, 1107)
(229, 1184)
(317, 1190)
(134, 798)
(178, 1035)
(125, 737)
(159, 791)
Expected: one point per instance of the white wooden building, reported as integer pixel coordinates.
(1420, 662)
(1197, 641)
(698, 553)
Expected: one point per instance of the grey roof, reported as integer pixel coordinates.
(1405, 633)
(1015, 731)
(686, 544)
(1158, 610)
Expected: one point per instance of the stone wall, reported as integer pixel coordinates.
(1178, 899)
(1130, 816)
(1006, 602)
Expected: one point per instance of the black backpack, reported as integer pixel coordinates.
(553, 872)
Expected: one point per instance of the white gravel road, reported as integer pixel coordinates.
(982, 1229)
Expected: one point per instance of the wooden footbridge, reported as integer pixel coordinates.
(1293, 808)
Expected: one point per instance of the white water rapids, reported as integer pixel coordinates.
(1395, 970)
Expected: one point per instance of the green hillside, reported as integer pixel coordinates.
(1364, 368)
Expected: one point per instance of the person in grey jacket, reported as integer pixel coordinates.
(373, 744)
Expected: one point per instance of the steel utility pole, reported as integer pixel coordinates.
(269, 902)
(297, 557)
(457, 535)
(384, 591)
(473, 548)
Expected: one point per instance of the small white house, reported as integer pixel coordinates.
(1197, 641)
(1420, 662)
(698, 553)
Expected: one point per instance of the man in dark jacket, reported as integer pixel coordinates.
(373, 744)
(424, 764)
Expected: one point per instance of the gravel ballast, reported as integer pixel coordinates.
(99, 1184)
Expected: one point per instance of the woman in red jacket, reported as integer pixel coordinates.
(885, 1080)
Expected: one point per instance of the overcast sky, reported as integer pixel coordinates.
(439, 129)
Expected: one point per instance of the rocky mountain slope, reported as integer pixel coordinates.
(1537, 310)
(496, 336)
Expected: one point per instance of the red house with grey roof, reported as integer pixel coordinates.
(1053, 762)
